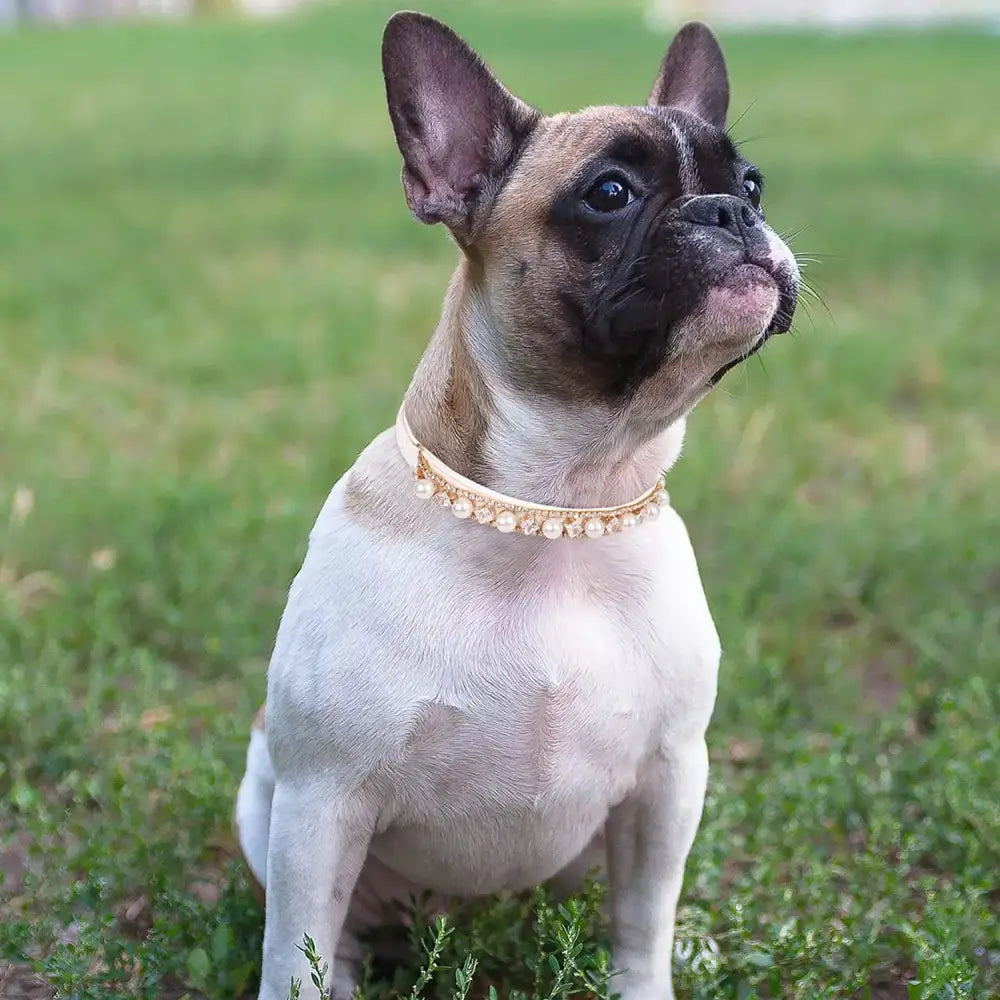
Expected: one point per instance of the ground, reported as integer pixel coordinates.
(211, 297)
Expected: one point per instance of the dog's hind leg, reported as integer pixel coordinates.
(253, 803)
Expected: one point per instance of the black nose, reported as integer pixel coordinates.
(721, 211)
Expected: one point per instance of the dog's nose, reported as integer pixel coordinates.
(721, 211)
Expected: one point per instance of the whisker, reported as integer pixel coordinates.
(811, 292)
(792, 233)
(805, 307)
(819, 257)
(732, 125)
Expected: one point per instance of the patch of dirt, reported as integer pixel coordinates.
(884, 674)
(882, 683)
(14, 862)
(745, 751)
(885, 989)
(20, 982)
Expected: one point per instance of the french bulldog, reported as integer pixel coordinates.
(497, 664)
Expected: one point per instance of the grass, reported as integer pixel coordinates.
(211, 297)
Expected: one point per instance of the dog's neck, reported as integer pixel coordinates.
(580, 454)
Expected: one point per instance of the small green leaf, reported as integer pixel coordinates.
(198, 966)
(222, 940)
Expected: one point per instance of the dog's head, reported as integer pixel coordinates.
(617, 252)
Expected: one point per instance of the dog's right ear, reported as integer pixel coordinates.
(456, 125)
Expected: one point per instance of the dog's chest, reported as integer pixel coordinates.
(511, 767)
(568, 702)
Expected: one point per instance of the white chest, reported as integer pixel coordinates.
(497, 716)
(510, 769)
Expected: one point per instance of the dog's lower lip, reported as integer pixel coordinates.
(782, 320)
(761, 340)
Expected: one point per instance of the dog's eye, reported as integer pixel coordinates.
(752, 189)
(609, 193)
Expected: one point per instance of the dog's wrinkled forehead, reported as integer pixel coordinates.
(704, 155)
(677, 145)
(679, 152)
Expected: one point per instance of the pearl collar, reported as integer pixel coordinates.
(470, 501)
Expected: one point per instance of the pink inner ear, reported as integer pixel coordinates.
(449, 146)
(443, 169)
(693, 76)
(446, 108)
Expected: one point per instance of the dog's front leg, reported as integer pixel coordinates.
(317, 846)
(649, 836)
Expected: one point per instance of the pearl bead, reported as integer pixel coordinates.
(552, 527)
(594, 527)
(505, 522)
(462, 508)
(651, 511)
(425, 489)
(629, 521)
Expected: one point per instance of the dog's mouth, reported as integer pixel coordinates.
(761, 340)
(788, 296)
(781, 320)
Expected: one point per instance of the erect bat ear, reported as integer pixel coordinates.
(457, 126)
(693, 75)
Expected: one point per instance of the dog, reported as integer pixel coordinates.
(497, 664)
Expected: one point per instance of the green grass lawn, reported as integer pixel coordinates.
(212, 296)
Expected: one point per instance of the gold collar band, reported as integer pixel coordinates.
(470, 501)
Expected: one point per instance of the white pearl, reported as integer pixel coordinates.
(552, 527)
(505, 522)
(462, 508)
(651, 511)
(629, 521)
(425, 489)
(594, 527)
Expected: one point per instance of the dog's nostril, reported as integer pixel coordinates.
(725, 219)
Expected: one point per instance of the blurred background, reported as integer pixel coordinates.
(661, 13)
(212, 297)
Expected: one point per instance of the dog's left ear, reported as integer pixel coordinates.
(693, 75)
(456, 125)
